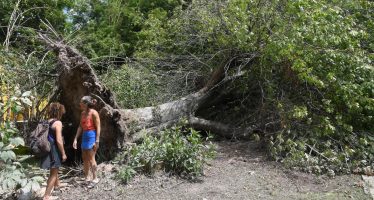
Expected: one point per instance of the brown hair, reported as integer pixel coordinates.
(56, 110)
(89, 101)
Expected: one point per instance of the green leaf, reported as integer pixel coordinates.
(8, 147)
(26, 101)
(17, 141)
(18, 91)
(7, 155)
(13, 99)
(26, 94)
(35, 186)
(27, 187)
(17, 108)
(10, 183)
(38, 179)
(23, 182)
(17, 164)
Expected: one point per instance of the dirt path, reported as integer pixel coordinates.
(240, 171)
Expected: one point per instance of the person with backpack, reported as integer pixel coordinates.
(53, 159)
(90, 130)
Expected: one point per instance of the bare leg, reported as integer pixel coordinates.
(51, 182)
(86, 164)
(93, 164)
(57, 182)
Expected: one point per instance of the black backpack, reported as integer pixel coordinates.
(39, 143)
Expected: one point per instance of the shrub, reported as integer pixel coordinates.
(126, 173)
(308, 73)
(13, 174)
(177, 150)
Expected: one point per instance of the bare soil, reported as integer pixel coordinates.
(241, 170)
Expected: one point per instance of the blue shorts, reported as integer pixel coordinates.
(88, 139)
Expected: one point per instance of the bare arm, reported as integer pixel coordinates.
(79, 132)
(96, 119)
(59, 141)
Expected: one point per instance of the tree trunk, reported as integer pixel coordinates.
(119, 126)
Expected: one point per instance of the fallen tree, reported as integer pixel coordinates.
(76, 78)
(310, 93)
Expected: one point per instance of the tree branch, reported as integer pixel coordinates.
(220, 129)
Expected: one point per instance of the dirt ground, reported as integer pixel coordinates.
(240, 171)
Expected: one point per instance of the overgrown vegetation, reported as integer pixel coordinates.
(303, 70)
(14, 173)
(308, 73)
(20, 101)
(134, 87)
(177, 150)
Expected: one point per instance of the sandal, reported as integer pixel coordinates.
(96, 180)
(93, 183)
(50, 198)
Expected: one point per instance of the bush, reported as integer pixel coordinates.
(311, 62)
(13, 174)
(177, 150)
(126, 173)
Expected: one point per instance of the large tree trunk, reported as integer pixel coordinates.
(77, 78)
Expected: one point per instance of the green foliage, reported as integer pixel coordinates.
(30, 13)
(311, 62)
(126, 173)
(154, 32)
(17, 74)
(13, 175)
(111, 27)
(134, 87)
(307, 65)
(177, 150)
(323, 49)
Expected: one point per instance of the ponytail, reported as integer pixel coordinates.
(89, 101)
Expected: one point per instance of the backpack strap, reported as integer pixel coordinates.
(51, 154)
(50, 128)
(52, 121)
